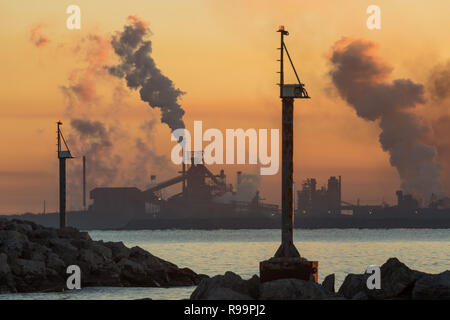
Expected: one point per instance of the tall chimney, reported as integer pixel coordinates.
(340, 192)
(238, 180)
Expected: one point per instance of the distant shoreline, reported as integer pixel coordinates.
(86, 221)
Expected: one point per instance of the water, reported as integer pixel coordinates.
(214, 252)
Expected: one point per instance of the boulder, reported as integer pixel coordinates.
(102, 250)
(397, 280)
(328, 282)
(132, 272)
(210, 288)
(54, 262)
(353, 284)
(432, 286)
(118, 249)
(294, 289)
(35, 258)
(4, 266)
(92, 259)
(12, 241)
(23, 267)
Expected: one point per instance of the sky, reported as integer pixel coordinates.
(222, 54)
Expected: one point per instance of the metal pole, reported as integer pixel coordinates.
(62, 193)
(287, 171)
(281, 64)
(287, 248)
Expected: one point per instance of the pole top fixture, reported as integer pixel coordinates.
(282, 30)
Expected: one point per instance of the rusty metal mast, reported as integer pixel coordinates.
(62, 156)
(288, 93)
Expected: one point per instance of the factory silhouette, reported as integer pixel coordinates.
(209, 201)
(204, 195)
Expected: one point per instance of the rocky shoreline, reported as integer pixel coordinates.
(35, 258)
(398, 282)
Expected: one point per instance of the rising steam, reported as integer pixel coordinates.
(97, 130)
(361, 79)
(140, 71)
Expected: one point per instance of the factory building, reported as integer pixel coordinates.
(199, 198)
(326, 200)
(406, 201)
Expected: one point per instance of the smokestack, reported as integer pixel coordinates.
(399, 194)
(238, 180)
(84, 183)
(340, 192)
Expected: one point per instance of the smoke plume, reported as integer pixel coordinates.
(361, 79)
(140, 71)
(94, 141)
(438, 86)
(36, 36)
(147, 161)
(98, 132)
(245, 191)
(439, 82)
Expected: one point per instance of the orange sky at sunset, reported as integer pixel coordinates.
(223, 55)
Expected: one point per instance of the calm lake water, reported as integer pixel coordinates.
(215, 252)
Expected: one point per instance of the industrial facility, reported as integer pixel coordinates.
(325, 200)
(202, 196)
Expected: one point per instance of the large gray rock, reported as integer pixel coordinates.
(54, 262)
(397, 280)
(102, 250)
(353, 284)
(4, 266)
(432, 286)
(91, 258)
(118, 249)
(22, 267)
(328, 282)
(12, 241)
(213, 287)
(294, 289)
(35, 258)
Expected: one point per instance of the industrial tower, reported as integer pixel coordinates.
(62, 156)
(287, 262)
